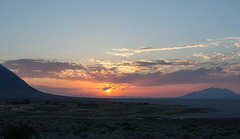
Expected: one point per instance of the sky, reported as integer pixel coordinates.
(110, 48)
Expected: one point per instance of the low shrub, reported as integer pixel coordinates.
(22, 131)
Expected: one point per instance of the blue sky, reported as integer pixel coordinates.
(110, 33)
(73, 29)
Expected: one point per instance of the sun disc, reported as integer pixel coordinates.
(109, 90)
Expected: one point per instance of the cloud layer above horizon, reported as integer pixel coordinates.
(218, 62)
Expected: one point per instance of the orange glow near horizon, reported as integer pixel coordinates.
(90, 89)
(80, 87)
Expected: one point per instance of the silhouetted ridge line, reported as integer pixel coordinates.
(11, 86)
(212, 93)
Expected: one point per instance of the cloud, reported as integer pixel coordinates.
(233, 40)
(201, 75)
(233, 69)
(129, 52)
(237, 44)
(148, 49)
(229, 41)
(41, 68)
(142, 66)
(120, 54)
(42, 64)
(125, 52)
(214, 56)
(236, 53)
(225, 38)
(163, 62)
(201, 55)
(105, 71)
(139, 73)
(111, 87)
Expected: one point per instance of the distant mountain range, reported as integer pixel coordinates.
(11, 86)
(212, 93)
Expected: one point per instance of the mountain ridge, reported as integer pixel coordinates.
(12, 86)
(212, 93)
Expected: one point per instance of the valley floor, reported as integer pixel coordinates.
(108, 119)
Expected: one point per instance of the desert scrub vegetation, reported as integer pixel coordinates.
(21, 131)
(105, 119)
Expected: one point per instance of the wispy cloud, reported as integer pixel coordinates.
(120, 54)
(164, 63)
(227, 41)
(232, 41)
(225, 38)
(129, 52)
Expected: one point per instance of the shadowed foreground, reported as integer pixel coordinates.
(106, 119)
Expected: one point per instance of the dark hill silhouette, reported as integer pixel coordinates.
(212, 93)
(11, 86)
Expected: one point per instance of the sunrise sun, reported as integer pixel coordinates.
(109, 90)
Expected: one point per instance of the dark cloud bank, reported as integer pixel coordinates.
(31, 68)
